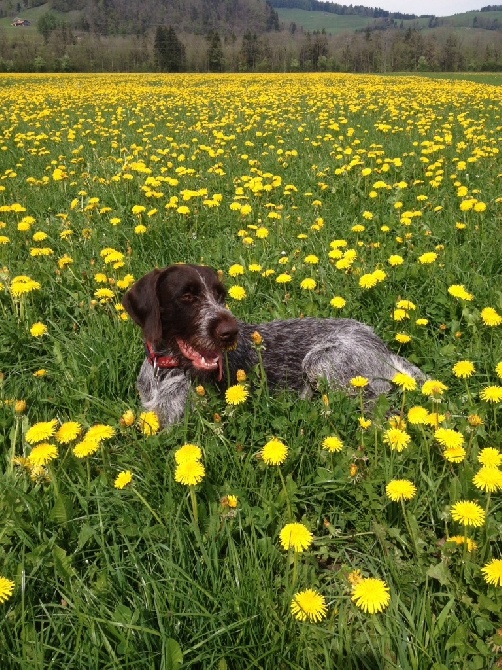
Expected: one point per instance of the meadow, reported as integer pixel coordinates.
(265, 531)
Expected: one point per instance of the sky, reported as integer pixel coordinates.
(438, 8)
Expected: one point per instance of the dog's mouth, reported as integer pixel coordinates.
(202, 359)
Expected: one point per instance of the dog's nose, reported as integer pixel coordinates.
(226, 331)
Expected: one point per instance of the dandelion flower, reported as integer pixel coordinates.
(237, 292)
(123, 479)
(308, 605)
(236, 270)
(488, 479)
(274, 452)
(99, 432)
(86, 448)
(491, 317)
(418, 415)
(449, 437)
(454, 454)
(368, 281)
(38, 329)
(490, 457)
(241, 375)
(406, 382)
(43, 453)
(491, 394)
(400, 489)
(395, 260)
(463, 369)
(403, 338)
(188, 452)
(427, 258)
(498, 370)
(434, 388)
(41, 431)
(332, 443)
(308, 284)
(283, 278)
(364, 423)
(236, 395)
(295, 536)
(68, 431)
(460, 539)
(397, 439)
(468, 513)
(459, 291)
(189, 473)
(127, 419)
(6, 589)
(149, 422)
(311, 259)
(492, 572)
(359, 382)
(371, 595)
(338, 302)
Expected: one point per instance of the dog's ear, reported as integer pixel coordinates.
(142, 304)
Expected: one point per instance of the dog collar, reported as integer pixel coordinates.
(159, 361)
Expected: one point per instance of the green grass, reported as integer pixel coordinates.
(140, 577)
(332, 23)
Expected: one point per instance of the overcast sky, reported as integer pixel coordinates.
(439, 8)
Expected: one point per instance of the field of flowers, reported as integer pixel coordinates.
(265, 531)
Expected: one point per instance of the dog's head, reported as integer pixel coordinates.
(181, 309)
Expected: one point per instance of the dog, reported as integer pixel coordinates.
(189, 334)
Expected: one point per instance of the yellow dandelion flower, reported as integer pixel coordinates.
(42, 454)
(128, 418)
(490, 457)
(492, 572)
(368, 281)
(464, 369)
(41, 431)
(237, 292)
(38, 329)
(68, 431)
(359, 381)
(309, 605)
(99, 432)
(6, 589)
(338, 302)
(454, 454)
(400, 489)
(236, 270)
(449, 437)
(283, 278)
(397, 439)
(274, 452)
(491, 317)
(403, 338)
(395, 260)
(188, 452)
(491, 394)
(406, 382)
(86, 448)
(459, 291)
(418, 415)
(123, 479)
(498, 370)
(488, 479)
(371, 595)
(468, 513)
(236, 395)
(434, 388)
(427, 258)
(189, 472)
(149, 423)
(308, 284)
(295, 536)
(332, 443)
(461, 540)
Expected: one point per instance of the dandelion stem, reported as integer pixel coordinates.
(288, 502)
(195, 509)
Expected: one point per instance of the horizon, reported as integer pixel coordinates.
(421, 7)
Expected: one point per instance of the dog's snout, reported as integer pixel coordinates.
(226, 331)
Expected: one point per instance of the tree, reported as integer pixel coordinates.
(215, 57)
(169, 51)
(46, 24)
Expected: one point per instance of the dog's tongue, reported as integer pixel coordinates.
(202, 360)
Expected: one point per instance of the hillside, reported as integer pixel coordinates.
(128, 17)
(337, 23)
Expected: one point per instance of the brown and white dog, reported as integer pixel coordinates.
(188, 332)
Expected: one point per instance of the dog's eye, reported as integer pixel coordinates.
(189, 298)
